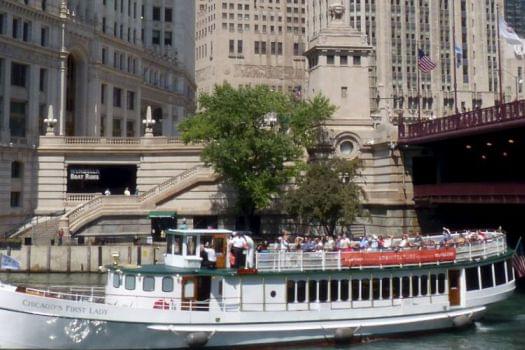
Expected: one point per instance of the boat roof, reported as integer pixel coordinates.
(202, 232)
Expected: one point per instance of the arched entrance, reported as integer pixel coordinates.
(76, 81)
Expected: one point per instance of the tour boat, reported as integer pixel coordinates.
(276, 297)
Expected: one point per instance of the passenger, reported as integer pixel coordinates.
(363, 244)
(380, 242)
(345, 243)
(107, 192)
(127, 192)
(204, 258)
(387, 244)
(238, 243)
(210, 254)
(404, 242)
(329, 245)
(374, 245)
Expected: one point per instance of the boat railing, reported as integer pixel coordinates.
(465, 250)
(72, 293)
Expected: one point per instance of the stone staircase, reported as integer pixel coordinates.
(118, 205)
(41, 232)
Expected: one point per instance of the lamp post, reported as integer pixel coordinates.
(148, 123)
(50, 121)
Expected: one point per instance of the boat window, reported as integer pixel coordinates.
(188, 290)
(177, 245)
(415, 286)
(116, 280)
(191, 245)
(441, 283)
(385, 288)
(433, 284)
(344, 290)
(129, 282)
(323, 290)
(395, 287)
(471, 276)
(499, 270)
(486, 276)
(365, 289)
(169, 243)
(355, 289)
(290, 291)
(376, 289)
(312, 290)
(334, 290)
(148, 284)
(510, 275)
(405, 292)
(424, 285)
(301, 291)
(167, 284)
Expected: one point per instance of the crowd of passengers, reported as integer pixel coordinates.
(287, 242)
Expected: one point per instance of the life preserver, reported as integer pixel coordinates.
(161, 304)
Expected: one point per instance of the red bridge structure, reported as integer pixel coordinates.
(469, 168)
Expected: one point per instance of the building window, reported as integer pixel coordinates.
(2, 23)
(16, 199)
(168, 38)
(44, 36)
(232, 46)
(156, 13)
(117, 97)
(117, 127)
(130, 128)
(103, 94)
(357, 60)
(239, 46)
(103, 24)
(330, 59)
(42, 81)
(104, 55)
(344, 91)
(131, 100)
(26, 32)
(256, 47)
(16, 170)
(343, 60)
(167, 284)
(17, 119)
(102, 125)
(18, 74)
(155, 39)
(16, 24)
(44, 5)
(168, 14)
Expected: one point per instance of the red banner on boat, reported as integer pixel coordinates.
(402, 257)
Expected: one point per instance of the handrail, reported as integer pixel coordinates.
(462, 121)
(322, 260)
(100, 201)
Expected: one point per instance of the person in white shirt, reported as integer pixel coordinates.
(209, 256)
(127, 192)
(238, 244)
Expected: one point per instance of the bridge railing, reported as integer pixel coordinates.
(462, 121)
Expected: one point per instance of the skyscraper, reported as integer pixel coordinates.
(514, 14)
(251, 43)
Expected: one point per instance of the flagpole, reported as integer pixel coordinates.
(499, 57)
(418, 96)
(455, 57)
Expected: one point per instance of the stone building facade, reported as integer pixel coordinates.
(98, 64)
(251, 43)
(397, 29)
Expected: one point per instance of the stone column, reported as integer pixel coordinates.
(32, 113)
(166, 120)
(5, 133)
(138, 117)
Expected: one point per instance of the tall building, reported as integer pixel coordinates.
(514, 14)
(98, 64)
(398, 29)
(246, 43)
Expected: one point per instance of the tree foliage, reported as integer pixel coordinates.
(249, 154)
(326, 194)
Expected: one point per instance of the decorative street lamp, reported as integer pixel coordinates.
(149, 122)
(50, 121)
(344, 178)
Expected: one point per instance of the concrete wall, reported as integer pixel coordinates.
(118, 225)
(82, 258)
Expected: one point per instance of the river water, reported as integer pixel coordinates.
(503, 327)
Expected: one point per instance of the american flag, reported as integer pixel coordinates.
(518, 260)
(424, 62)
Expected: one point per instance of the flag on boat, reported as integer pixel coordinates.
(459, 56)
(424, 63)
(518, 260)
(8, 263)
(508, 33)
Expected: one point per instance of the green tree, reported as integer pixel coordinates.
(250, 150)
(326, 194)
